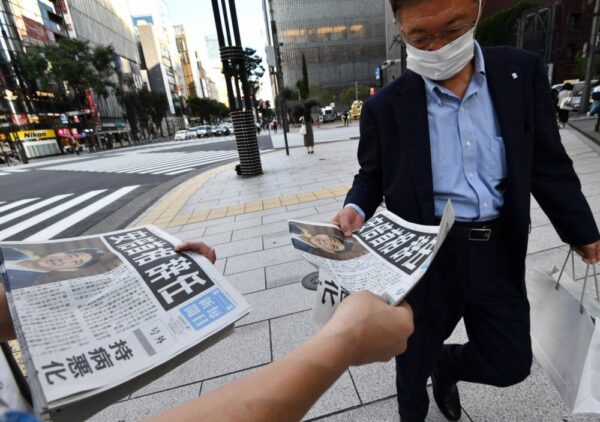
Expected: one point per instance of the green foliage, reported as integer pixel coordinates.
(158, 107)
(254, 68)
(499, 29)
(303, 84)
(70, 67)
(348, 95)
(206, 108)
(581, 65)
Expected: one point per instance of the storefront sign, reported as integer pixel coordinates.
(34, 135)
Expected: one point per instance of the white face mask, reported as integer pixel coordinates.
(443, 64)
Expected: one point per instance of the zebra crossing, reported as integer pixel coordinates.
(7, 171)
(36, 219)
(151, 163)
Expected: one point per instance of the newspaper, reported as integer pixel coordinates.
(93, 312)
(387, 256)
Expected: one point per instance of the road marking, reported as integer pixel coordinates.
(62, 225)
(24, 225)
(16, 204)
(180, 171)
(163, 163)
(31, 208)
(4, 174)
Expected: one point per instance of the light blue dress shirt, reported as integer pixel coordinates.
(467, 150)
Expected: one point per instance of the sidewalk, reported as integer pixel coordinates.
(585, 126)
(246, 221)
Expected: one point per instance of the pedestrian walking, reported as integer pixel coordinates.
(476, 126)
(307, 130)
(595, 109)
(565, 104)
(275, 126)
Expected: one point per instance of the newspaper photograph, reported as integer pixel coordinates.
(93, 312)
(387, 256)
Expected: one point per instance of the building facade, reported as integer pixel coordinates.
(106, 22)
(189, 62)
(342, 43)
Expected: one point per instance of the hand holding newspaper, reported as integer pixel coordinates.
(94, 312)
(387, 256)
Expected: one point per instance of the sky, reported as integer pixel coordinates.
(198, 18)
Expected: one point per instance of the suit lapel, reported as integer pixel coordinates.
(410, 112)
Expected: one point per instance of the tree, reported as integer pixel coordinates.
(348, 96)
(207, 109)
(128, 98)
(254, 69)
(303, 84)
(498, 29)
(69, 67)
(158, 107)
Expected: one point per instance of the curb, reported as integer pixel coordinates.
(585, 133)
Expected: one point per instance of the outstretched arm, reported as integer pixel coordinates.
(364, 329)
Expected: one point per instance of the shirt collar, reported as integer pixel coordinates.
(434, 89)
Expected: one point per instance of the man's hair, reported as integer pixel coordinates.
(398, 5)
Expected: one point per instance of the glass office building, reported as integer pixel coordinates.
(343, 42)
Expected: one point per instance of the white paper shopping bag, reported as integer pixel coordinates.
(564, 339)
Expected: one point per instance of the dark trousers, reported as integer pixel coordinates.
(477, 281)
(563, 115)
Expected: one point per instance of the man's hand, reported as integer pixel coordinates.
(589, 253)
(198, 247)
(375, 330)
(349, 220)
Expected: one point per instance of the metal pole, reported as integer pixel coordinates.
(282, 105)
(585, 99)
(238, 42)
(356, 90)
(226, 70)
(227, 31)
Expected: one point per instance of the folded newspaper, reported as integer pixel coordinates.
(92, 313)
(387, 256)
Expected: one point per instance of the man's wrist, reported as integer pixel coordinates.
(357, 209)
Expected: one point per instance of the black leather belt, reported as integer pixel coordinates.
(477, 231)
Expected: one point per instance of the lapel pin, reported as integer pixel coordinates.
(515, 76)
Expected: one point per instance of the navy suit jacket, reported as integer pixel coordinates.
(395, 158)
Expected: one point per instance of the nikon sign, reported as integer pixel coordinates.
(36, 135)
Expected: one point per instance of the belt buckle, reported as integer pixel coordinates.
(480, 235)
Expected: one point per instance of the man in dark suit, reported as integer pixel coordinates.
(477, 126)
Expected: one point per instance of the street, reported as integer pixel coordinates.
(68, 196)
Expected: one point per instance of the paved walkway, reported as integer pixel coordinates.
(585, 126)
(246, 221)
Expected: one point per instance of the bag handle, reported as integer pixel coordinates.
(571, 254)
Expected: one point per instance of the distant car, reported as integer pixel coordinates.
(181, 135)
(222, 130)
(204, 131)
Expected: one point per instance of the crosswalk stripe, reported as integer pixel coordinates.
(174, 170)
(16, 204)
(151, 168)
(19, 213)
(16, 170)
(4, 174)
(6, 233)
(149, 163)
(174, 173)
(80, 215)
(192, 163)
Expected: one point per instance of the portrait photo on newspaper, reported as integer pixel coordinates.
(32, 264)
